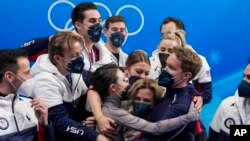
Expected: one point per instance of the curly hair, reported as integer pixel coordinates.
(190, 61)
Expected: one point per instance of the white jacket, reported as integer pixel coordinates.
(26, 120)
(233, 110)
(155, 63)
(104, 58)
(122, 58)
(52, 87)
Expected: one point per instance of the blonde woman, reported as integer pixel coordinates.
(145, 93)
(169, 40)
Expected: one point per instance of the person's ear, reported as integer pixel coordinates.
(105, 31)
(112, 87)
(187, 76)
(78, 25)
(8, 76)
(56, 59)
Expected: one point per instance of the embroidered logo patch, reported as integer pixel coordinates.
(4, 124)
(208, 73)
(228, 122)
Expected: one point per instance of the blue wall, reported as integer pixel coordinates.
(217, 29)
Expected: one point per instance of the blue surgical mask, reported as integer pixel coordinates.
(165, 79)
(244, 89)
(94, 32)
(141, 109)
(117, 39)
(76, 65)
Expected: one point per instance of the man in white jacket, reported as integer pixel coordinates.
(87, 22)
(116, 32)
(21, 117)
(59, 83)
(234, 110)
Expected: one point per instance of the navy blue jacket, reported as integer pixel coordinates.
(175, 103)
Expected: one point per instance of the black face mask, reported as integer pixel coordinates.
(163, 57)
(244, 89)
(94, 32)
(125, 93)
(165, 79)
(117, 39)
(133, 79)
(141, 109)
(76, 66)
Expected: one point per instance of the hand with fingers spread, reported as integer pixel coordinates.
(41, 111)
(106, 126)
(198, 100)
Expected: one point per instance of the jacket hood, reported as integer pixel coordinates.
(43, 64)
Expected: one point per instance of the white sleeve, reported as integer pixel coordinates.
(204, 75)
(218, 117)
(49, 89)
(155, 69)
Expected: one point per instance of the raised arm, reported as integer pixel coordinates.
(104, 123)
(126, 119)
(36, 47)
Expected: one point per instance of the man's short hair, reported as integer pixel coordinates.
(8, 60)
(77, 13)
(114, 19)
(190, 61)
(179, 24)
(62, 42)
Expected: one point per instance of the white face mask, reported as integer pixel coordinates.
(26, 88)
(15, 86)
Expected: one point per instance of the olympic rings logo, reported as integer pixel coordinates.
(68, 27)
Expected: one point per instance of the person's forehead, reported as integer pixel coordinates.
(145, 92)
(141, 65)
(168, 43)
(172, 60)
(92, 13)
(23, 64)
(76, 47)
(117, 25)
(170, 25)
(120, 73)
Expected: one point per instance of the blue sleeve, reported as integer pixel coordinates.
(86, 77)
(205, 91)
(49, 132)
(178, 108)
(68, 127)
(36, 47)
(192, 91)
